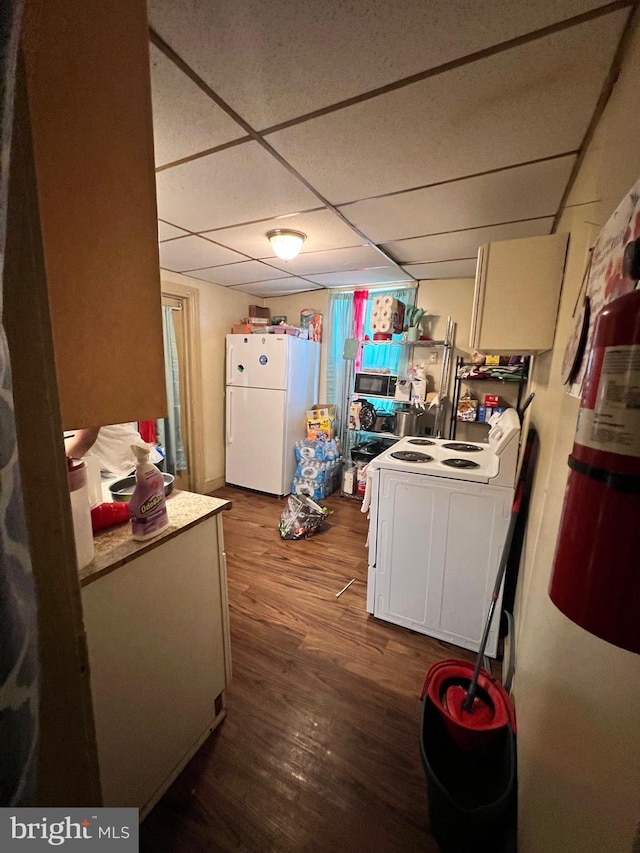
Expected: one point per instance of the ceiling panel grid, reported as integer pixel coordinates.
(397, 148)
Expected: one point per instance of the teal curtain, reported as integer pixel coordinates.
(381, 356)
(169, 432)
(340, 327)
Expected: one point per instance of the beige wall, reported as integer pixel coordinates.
(219, 308)
(290, 307)
(578, 698)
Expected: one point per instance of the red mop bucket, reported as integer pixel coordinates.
(481, 728)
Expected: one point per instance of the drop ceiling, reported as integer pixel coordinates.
(399, 136)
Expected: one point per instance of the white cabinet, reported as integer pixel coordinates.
(158, 638)
(437, 553)
(517, 293)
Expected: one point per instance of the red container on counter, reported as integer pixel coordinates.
(108, 515)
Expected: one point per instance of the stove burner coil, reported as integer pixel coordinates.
(411, 456)
(460, 463)
(461, 447)
(423, 442)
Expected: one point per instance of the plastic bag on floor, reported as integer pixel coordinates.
(301, 517)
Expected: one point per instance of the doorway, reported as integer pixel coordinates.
(183, 303)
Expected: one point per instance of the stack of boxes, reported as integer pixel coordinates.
(491, 406)
(258, 320)
(318, 457)
(321, 422)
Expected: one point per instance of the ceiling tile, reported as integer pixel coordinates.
(331, 261)
(375, 275)
(191, 253)
(324, 230)
(185, 120)
(278, 287)
(523, 104)
(524, 192)
(229, 187)
(446, 269)
(237, 273)
(166, 231)
(463, 244)
(271, 64)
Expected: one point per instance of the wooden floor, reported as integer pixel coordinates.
(320, 749)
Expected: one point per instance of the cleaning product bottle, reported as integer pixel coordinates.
(147, 505)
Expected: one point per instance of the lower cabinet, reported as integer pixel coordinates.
(438, 548)
(158, 639)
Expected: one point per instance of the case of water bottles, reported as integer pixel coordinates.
(319, 468)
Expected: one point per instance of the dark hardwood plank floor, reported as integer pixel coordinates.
(319, 750)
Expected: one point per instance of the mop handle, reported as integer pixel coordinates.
(467, 705)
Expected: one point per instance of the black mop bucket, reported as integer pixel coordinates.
(472, 795)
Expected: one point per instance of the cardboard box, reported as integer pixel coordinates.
(257, 311)
(403, 389)
(321, 421)
(241, 329)
(319, 429)
(354, 415)
(492, 359)
(491, 400)
(322, 410)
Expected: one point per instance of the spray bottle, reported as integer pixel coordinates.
(147, 505)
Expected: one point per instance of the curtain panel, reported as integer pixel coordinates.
(340, 327)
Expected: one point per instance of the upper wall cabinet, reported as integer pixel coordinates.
(89, 94)
(517, 294)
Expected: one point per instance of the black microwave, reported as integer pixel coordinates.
(375, 384)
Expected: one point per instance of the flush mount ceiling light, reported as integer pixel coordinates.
(285, 243)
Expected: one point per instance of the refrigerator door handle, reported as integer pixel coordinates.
(229, 422)
(229, 364)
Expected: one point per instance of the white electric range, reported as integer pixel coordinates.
(439, 514)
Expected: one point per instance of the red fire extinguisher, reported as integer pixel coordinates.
(596, 572)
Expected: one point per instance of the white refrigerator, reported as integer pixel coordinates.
(271, 381)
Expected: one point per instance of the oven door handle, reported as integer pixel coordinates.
(366, 501)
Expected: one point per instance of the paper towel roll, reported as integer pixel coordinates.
(384, 326)
(378, 302)
(375, 326)
(387, 301)
(385, 314)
